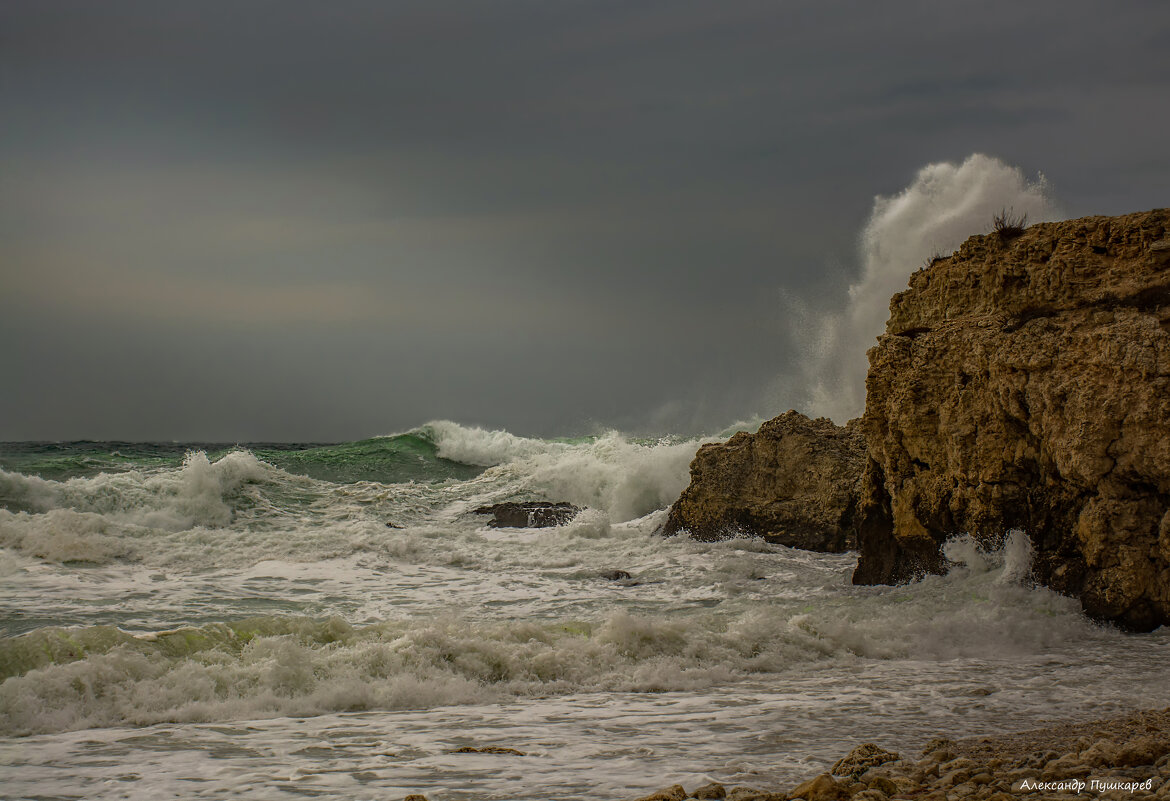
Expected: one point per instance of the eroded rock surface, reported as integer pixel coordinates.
(1025, 383)
(794, 482)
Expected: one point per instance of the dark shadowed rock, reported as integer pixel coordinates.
(616, 575)
(795, 482)
(1026, 385)
(529, 514)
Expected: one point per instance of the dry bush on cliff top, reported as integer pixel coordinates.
(937, 255)
(1008, 226)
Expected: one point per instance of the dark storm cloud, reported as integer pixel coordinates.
(305, 220)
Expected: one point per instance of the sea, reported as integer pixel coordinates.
(279, 621)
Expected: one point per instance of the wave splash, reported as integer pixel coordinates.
(622, 477)
(945, 204)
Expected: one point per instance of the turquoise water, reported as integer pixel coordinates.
(404, 457)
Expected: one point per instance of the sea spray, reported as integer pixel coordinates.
(944, 205)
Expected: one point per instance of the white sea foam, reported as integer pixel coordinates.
(63, 535)
(945, 204)
(282, 665)
(624, 478)
(106, 517)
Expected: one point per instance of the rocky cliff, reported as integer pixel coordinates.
(1024, 382)
(795, 482)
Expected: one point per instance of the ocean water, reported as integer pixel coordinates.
(210, 621)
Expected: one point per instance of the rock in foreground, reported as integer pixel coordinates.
(1126, 757)
(795, 482)
(1024, 382)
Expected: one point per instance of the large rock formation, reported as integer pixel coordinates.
(795, 482)
(1024, 382)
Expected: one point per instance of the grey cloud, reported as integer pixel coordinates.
(549, 216)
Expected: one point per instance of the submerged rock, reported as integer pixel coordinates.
(488, 749)
(1025, 384)
(794, 482)
(529, 514)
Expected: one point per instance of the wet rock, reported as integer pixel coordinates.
(713, 790)
(1035, 396)
(392, 525)
(415, 797)
(616, 575)
(861, 759)
(529, 514)
(795, 482)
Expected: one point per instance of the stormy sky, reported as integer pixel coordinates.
(324, 221)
